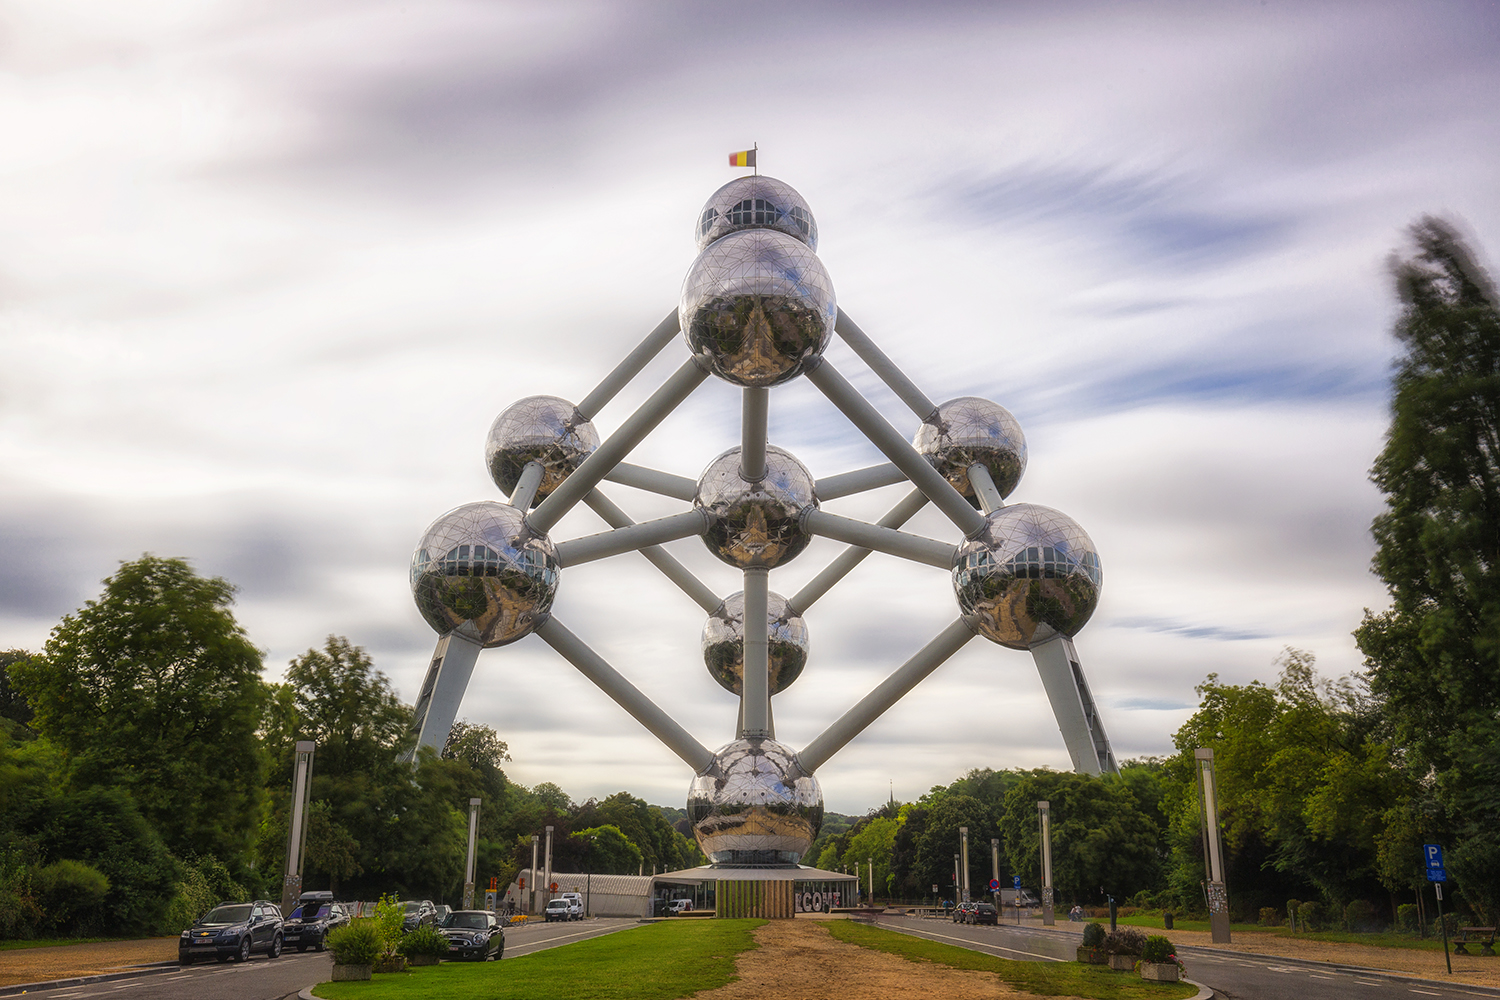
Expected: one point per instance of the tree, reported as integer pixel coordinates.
(607, 851)
(15, 711)
(154, 689)
(1434, 655)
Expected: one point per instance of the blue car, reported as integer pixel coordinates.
(233, 931)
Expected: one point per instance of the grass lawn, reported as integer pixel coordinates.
(1384, 939)
(48, 943)
(664, 961)
(1048, 979)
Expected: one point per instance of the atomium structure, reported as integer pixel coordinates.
(757, 310)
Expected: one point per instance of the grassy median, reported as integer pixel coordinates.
(1048, 979)
(662, 961)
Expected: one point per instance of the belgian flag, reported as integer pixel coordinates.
(744, 158)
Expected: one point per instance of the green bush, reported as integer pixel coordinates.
(1407, 917)
(70, 894)
(1093, 935)
(1125, 941)
(1310, 917)
(424, 941)
(1158, 950)
(1270, 917)
(1360, 917)
(357, 943)
(389, 918)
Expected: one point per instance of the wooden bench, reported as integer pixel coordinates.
(1482, 936)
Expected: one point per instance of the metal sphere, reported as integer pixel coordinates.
(480, 571)
(756, 203)
(724, 642)
(755, 805)
(542, 429)
(968, 431)
(756, 524)
(1031, 574)
(756, 307)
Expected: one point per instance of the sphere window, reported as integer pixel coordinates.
(710, 216)
(803, 220)
(484, 561)
(754, 212)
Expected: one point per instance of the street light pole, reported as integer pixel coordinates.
(1044, 818)
(469, 866)
(995, 870)
(296, 841)
(531, 907)
(1218, 891)
(547, 876)
(963, 850)
(957, 886)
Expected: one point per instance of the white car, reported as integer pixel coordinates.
(557, 909)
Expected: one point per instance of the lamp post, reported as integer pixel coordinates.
(531, 907)
(995, 870)
(963, 850)
(1044, 821)
(547, 871)
(469, 866)
(957, 886)
(296, 840)
(1218, 890)
(870, 867)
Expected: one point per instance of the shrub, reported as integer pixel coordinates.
(1125, 941)
(389, 918)
(70, 894)
(1158, 950)
(390, 963)
(1270, 916)
(1093, 935)
(1360, 917)
(424, 941)
(1407, 916)
(356, 943)
(1310, 917)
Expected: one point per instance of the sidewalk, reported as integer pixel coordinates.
(34, 965)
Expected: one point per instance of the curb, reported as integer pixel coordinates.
(108, 977)
(1204, 992)
(307, 993)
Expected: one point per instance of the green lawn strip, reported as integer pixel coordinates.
(1048, 979)
(53, 942)
(663, 961)
(1385, 939)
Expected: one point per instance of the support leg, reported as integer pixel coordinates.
(1073, 705)
(755, 688)
(443, 688)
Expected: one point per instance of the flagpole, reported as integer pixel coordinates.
(756, 147)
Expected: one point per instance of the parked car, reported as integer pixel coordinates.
(418, 914)
(681, 906)
(308, 926)
(440, 913)
(473, 934)
(961, 913)
(575, 907)
(984, 913)
(233, 931)
(557, 909)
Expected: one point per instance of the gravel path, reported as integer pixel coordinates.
(33, 965)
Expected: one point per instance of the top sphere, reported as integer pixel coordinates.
(968, 431)
(756, 203)
(1032, 573)
(542, 429)
(480, 571)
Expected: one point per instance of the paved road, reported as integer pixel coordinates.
(273, 979)
(1232, 975)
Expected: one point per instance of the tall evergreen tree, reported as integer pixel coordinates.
(1434, 656)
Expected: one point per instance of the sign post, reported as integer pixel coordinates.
(1044, 821)
(1016, 882)
(1432, 854)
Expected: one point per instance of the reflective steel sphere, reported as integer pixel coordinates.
(970, 430)
(724, 642)
(481, 571)
(756, 203)
(755, 805)
(1031, 574)
(756, 307)
(756, 524)
(541, 429)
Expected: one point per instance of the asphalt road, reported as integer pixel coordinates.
(1232, 975)
(273, 979)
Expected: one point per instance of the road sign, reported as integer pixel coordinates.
(1433, 854)
(1017, 881)
(994, 884)
(553, 887)
(935, 890)
(1437, 874)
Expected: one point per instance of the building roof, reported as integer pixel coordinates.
(799, 873)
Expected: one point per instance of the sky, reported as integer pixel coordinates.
(269, 270)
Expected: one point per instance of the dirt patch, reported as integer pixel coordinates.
(35, 965)
(799, 960)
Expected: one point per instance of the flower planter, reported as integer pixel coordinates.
(1091, 956)
(1122, 963)
(1160, 972)
(390, 963)
(349, 973)
(422, 960)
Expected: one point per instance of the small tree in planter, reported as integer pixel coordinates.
(1159, 961)
(389, 919)
(1124, 948)
(1091, 952)
(355, 947)
(424, 946)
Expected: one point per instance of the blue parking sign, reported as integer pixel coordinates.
(1433, 853)
(1437, 874)
(1017, 880)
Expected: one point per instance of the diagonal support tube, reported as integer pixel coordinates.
(754, 412)
(755, 687)
(625, 694)
(847, 483)
(656, 555)
(895, 447)
(851, 557)
(891, 690)
(883, 367)
(640, 423)
(636, 536)
(652, 481)
(628, 369)
(984, 488)
(526, 486)
(928, 551)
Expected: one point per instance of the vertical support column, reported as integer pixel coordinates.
(531, 898)
(963, 851)
(547, 872)
(469, 866)
(1044, 820)
(753, 414)
(443, 688)
(755, 690)
(957, 883)
(995, 870)
(296, 840)
(1218, 891)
